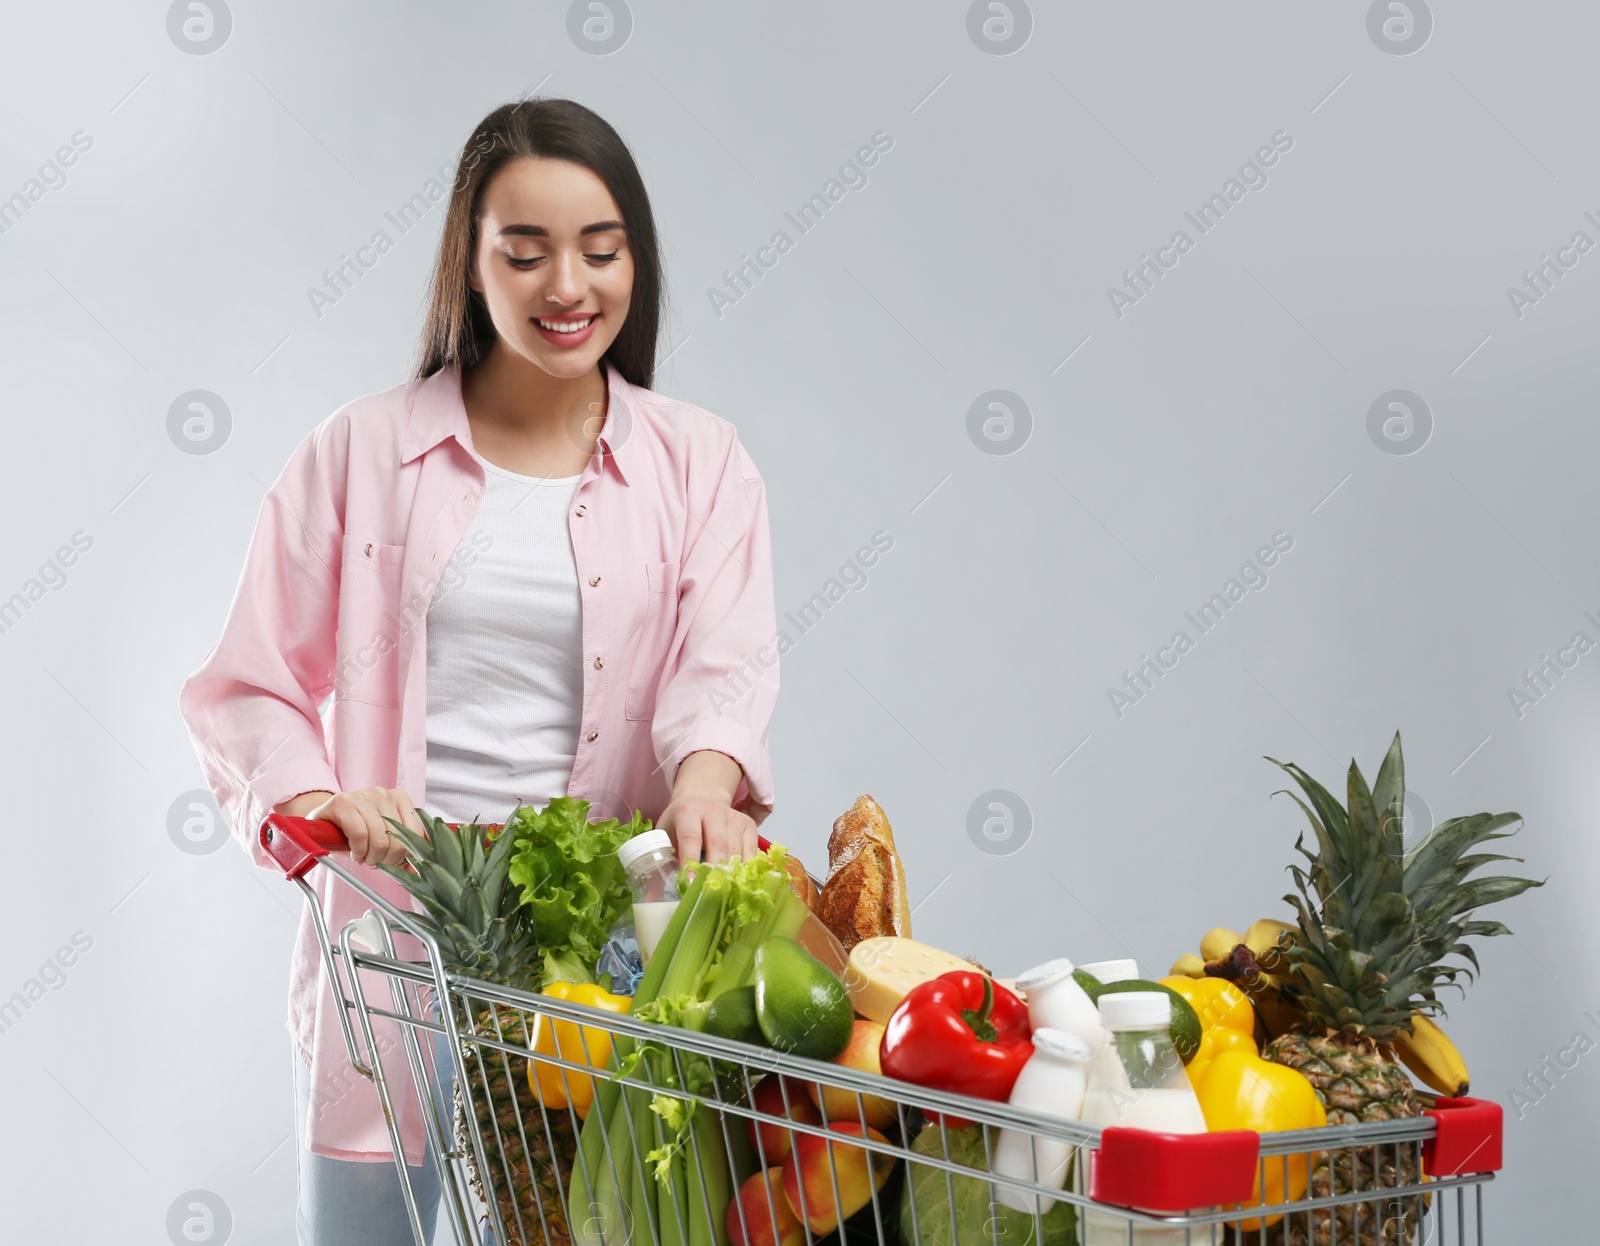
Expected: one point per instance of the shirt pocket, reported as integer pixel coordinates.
(360, 555)
(367, 642)
(659, 622)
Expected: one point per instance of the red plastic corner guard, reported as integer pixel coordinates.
(1176, 1173)
(1173, 1172)
(295, 843)
(1468, 1138)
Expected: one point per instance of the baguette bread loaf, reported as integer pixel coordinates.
(864, 895)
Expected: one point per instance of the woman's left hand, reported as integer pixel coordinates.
(701, 817)
(711, 824)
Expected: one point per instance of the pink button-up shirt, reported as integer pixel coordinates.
(680, 649)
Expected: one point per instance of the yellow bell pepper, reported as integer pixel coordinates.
(1240, 1090)
(1213, 1042)
(1217, 1002)
(555, 1086)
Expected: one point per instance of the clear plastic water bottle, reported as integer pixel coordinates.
(652, 871)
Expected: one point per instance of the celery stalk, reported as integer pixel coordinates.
(708, 1220)
(613, 1206)
(667, 950)
(592, 1163)
(639, 1132)
(592, 1177)
(673, 1219)
(709, 947)
(697, 944)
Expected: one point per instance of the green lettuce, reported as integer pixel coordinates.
(571, 881)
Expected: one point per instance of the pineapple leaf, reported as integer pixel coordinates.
(1329, 849)
(1389, 789)
(1390, 910)
(1447, 841)
(1468, 952)
(415, 844)
(1450, 877)
(1331, 822)
(446, 889)
(1475, 894)
(1365, 849)
(496, 866)
(447, 848)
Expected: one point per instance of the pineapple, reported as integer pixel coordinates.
(474, 914)
(1375, 923)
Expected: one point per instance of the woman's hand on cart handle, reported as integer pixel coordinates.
(700, 817)
(360, 815)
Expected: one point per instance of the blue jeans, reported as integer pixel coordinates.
(352, 1203)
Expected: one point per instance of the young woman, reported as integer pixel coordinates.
(520, 575)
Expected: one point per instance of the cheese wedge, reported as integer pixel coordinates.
(883, 970)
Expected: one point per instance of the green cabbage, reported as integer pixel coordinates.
(962, 1211)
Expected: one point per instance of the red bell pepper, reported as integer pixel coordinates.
(958, 1032)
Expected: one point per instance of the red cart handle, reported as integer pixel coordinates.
(296, 843)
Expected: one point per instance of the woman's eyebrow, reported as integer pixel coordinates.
(539, 231)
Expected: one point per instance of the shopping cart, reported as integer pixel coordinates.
(876, 1162)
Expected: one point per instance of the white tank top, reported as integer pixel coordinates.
(505, 655)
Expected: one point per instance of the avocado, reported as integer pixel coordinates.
(801, 1006)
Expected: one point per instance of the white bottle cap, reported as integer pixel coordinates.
(1136, 1010)
(1109, 971)
(1047, 974)
(1061, 1044)
(643, 842)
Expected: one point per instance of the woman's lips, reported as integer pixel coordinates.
(567, 339)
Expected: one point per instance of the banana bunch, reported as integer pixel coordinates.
(1262, 973)
(1219, 944)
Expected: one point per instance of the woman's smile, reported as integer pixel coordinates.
(566, 330)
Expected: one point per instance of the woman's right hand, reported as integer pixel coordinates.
(360, 816)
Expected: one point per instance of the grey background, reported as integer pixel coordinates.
(1229, 404)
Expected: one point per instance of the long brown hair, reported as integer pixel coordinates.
(458, 329)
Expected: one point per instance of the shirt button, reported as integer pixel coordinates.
(593, 580)
(593, 736)
(581, 509)
(369, 550)
(599, 663)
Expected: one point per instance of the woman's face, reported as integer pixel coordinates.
(553, 255)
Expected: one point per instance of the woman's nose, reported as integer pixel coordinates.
(567, 283)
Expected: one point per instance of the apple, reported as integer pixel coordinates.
(838, 1104)
(775, 1140)
(767, 1215)
(817, 1163)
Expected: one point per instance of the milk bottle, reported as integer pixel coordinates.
(1136, 1081)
